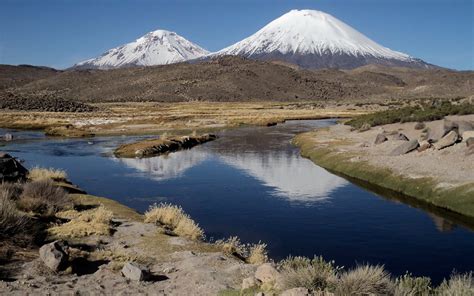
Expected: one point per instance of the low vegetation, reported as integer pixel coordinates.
(176, 219)
(85, 223)
(43, 198)
(38, 173)
(250, 253)
(423, 112)
(12, 221)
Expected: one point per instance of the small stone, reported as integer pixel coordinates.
(424, 145)
(402, 137)
(134, 272)
(470, 142)
(419, 125)
(405, 148)
(450, 139)
(8, 137)
(249, 283)
(54, 255)
(267, 273)
(365, 127)
(467, 135)
(380, 139)
(296, 292)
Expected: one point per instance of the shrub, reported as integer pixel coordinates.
(408, 285)
(231, 246)
(11, 220)
(457, 285)
(365, 280)
(44, 198)
(11, 190)
(38, 173)
(313, 274)
(258, 254)
(174, 217)
(91, 222)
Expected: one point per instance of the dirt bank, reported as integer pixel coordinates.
(444, 178)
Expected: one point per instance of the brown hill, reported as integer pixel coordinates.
(238, 79)
(14, 76)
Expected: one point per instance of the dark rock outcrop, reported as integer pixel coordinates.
(380, 139)
(11, 169)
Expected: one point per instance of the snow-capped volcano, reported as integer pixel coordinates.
(159, 47)
(314, 39)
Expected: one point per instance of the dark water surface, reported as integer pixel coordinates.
(253, 183)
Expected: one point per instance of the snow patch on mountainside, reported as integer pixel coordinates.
(159, 47)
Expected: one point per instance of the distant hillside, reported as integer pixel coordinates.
(14, 76)
(239, 79)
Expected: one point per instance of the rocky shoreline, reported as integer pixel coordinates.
(430, 161)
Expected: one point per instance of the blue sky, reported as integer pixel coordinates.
(60, 33)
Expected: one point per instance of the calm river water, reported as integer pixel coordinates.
(253, 183)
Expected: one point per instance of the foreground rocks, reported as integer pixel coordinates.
(154, 147)
(54, 255)
(134, 272)
(11, 169)
(405, 148)
(448, 140)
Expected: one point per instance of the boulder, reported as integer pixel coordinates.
(470, 142)
(405, 148)
(134, 272)
(449, 126)
(450, 139)
(424, 145)
(296, 292)
(380, 139)
(468, 134)
(267, 273)
(401, 137)
(11, 169)
(249, 282)
(54, 255)
(464, 126)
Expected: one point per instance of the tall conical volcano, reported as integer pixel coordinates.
(159, 47)
(314, 39)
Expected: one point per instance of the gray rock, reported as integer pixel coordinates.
(8, 137)
(296, 292)
(134, 272)
(267, 273)
(380, 139)
(464, 126)
(450, 139)
(470, 150)
(448, 126)
(419, 125)
(470, 142)
(424, 145)
(467, 134)
(405, 148)
(54, 255)
(401, 137)
(11, 169)
(249, 282)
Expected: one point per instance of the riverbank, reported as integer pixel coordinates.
(443, 178)
(140, 118)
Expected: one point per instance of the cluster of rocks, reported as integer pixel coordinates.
(43, 103)
(267, 275)
(11, 169)
(451, 133)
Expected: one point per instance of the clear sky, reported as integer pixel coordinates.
(59, 33)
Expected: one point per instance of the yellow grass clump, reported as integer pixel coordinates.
(38, 173)
(90, 222)
(251, 253)
(231, 246)
(258, 254)
(174, 217)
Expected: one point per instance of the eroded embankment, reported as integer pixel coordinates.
(154, 147)
(337, 150)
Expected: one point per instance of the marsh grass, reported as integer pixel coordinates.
(174, 217)
(420, 113)
(313, 274)
(365, 280)
(43, 198)
(38, 173)
(11, 220)
(90, 222)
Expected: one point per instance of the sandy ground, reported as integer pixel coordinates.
(177, 266)
(450, 166)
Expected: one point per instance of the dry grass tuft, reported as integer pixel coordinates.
(365, 280)
(44, 198)
(86, 223)
(457, 285)
(407, 285)
(258, 254)
(313, 274)
(11, 190)
(38, 173)
(11, 220)
(231, 246)
(174, 217)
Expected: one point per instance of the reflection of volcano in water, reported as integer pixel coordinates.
(292, 176)
(166, 167)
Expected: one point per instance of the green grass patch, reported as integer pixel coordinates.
(420, 113)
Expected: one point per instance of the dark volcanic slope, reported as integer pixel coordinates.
(238, 79)
(14, 76)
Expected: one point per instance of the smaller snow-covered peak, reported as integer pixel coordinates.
(158, 47)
